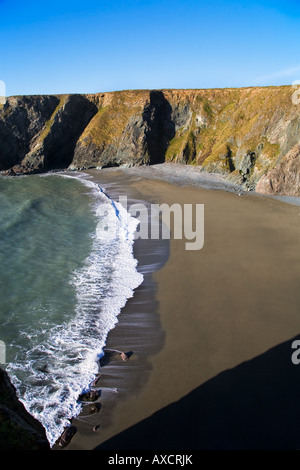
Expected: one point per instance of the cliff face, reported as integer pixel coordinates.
(18, 429)
(39, 133)
(284, 178)
(251, 135)
(130, 128)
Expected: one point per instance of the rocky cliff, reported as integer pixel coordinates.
(251, 135)
(18, 429)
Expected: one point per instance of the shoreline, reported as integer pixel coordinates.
(137, 330)
(228, 304)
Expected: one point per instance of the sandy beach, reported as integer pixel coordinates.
(210, 330)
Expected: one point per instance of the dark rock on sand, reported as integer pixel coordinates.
(93, 395)
(67, 435)
(95, 408)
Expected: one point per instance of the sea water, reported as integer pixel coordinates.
(63, 282)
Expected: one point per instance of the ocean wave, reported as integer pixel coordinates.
(57, 371)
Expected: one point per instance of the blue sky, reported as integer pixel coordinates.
(93, 46)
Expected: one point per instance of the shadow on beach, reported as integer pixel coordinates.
(252, 406)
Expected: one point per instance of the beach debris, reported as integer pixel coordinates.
(66, 436)
(110, 353)
(95, 408)
(124, 356)
(96, 380)
(92, 395)
(95, 428)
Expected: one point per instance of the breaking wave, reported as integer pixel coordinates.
(64, 359)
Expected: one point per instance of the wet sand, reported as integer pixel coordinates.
(210, 330)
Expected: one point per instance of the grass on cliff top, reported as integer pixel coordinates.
(111, 119)
(234, 117)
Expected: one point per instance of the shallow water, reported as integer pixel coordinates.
(67, 269)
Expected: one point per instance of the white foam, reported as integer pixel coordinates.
(66, 364)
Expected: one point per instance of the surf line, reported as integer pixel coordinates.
(110, 200)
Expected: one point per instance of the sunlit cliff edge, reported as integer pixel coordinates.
(250, 135)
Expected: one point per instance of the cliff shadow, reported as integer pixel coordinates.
(161, 128)
(69, 123)
(21, 120)
(253, 406)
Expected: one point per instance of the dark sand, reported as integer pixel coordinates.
(211, 330)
